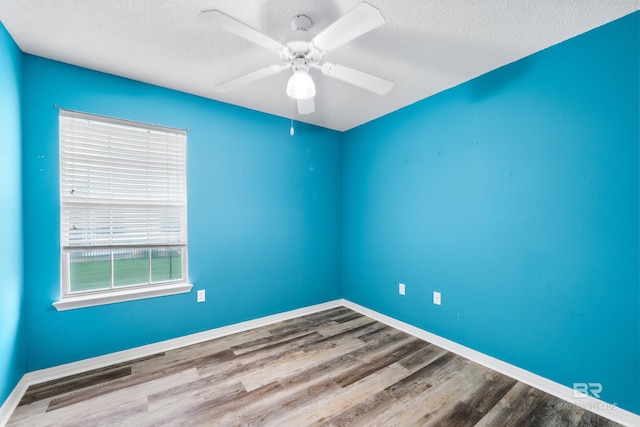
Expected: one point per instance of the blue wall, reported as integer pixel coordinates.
(265, 215)
(12, 355)
(516, 196)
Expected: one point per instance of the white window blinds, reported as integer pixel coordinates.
(122, 183)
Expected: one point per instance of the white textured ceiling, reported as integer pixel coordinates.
(425, 46)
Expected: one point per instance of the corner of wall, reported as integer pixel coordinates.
(12, 342)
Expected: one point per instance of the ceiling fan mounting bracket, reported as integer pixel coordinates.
(301, 23)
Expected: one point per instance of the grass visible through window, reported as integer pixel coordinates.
(92, 270)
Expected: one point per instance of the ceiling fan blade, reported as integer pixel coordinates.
(357, 78)
(306, 106)
(249, 78)
(236, 27)
(358, 21)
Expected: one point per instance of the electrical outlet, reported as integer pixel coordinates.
(401, 288)
(436, 298)
(201, 295)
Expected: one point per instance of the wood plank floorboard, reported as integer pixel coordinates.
(332, 368)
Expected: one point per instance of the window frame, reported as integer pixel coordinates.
(119, 293)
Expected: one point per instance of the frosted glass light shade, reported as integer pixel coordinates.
(301, 86)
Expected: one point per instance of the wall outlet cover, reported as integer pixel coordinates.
(436, 298)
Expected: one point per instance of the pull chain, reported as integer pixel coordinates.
(291, 130)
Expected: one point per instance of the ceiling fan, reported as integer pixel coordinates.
(301, 56)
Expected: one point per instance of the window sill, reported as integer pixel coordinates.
(74, 302)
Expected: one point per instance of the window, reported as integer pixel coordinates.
(123, 210)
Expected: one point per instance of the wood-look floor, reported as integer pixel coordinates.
(332, 368)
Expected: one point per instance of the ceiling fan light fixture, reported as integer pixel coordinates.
(300, 85)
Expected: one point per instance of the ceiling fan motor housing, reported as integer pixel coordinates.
(300, 63)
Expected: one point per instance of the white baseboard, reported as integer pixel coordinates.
(12, 401)
(599, 407)
(560, 391)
